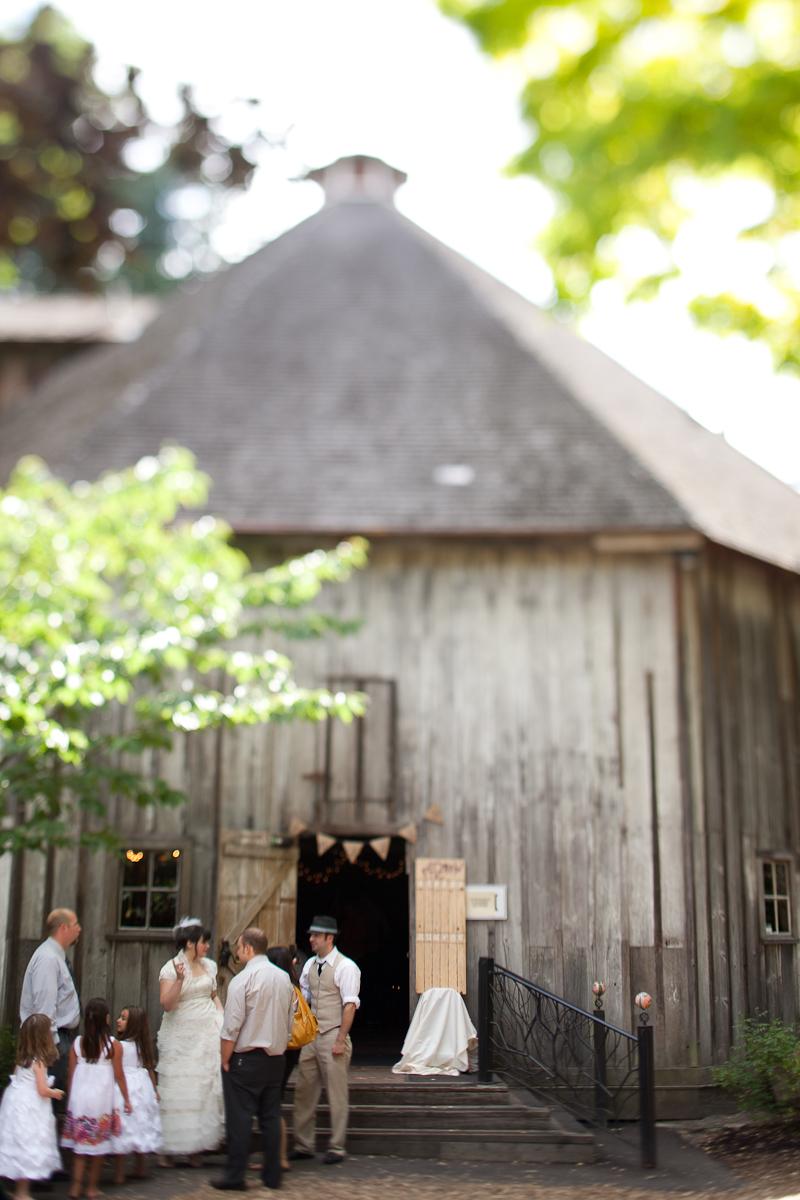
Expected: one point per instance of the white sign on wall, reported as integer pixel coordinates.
(487, 902)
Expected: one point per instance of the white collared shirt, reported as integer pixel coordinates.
(259, 1008)
(346, 976)
(48, 988)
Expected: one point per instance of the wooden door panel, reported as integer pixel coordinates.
(257, 886)
(441, 902)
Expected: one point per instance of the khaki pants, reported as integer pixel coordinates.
(319, 1068)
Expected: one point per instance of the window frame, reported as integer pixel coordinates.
(775, 859)
(361, 683)
(150, 845)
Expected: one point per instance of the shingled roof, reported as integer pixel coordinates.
(344, 378)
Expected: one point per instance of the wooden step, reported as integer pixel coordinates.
(451, 1119)
(489, 1145)
(417, 1091)
(450, 1116)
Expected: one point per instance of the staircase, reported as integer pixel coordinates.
(450, 1119)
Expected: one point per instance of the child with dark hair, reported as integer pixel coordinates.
(141, 1129)
(28, 1142)
(93, 1119)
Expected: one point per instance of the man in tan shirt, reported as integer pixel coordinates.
(255, 1029)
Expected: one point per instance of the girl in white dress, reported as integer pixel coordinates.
(189, 1075)
(28, 1143)
(141, 1129)
(93, 1119)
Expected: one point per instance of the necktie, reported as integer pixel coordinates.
(71, 970)
(320, 965)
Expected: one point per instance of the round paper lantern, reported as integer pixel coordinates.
(642, 1000)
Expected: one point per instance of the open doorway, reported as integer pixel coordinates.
(369, 899)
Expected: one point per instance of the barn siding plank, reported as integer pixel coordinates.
(713, 651)
(607, 961)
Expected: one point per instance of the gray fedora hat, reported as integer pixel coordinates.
(324, 925)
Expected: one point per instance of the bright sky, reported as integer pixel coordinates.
(396, 79)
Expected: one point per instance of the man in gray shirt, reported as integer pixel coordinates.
(256, 1028)
(48, 986)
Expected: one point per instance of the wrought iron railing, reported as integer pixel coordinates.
(565, 1054)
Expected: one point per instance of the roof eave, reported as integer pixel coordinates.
(631, 540)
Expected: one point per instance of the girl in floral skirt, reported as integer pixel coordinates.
(93, 1119)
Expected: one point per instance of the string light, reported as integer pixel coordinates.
(381, 872)
(337, 860)
(316, 876)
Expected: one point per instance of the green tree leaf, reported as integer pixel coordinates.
(646, 116)
(110, 594)
(73, 213)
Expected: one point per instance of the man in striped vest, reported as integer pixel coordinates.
(330, 983)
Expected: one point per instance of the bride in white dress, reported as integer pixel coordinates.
(189, 1079)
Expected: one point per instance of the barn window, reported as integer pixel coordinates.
(360, 758)
(776, 897)
(150, 883)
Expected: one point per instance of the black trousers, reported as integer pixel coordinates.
(252, 1087)
(60, 1067)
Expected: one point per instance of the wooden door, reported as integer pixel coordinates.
(257, 886)
(441, 923)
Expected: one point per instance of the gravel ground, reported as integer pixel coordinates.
(742, 1163)
(684, 1171)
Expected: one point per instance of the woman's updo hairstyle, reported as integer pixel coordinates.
(190, 930)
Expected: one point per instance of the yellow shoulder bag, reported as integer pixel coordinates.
(304, 1024)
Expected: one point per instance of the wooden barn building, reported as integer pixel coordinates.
(580, 640)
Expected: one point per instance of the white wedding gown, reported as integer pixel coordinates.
(189, 1079)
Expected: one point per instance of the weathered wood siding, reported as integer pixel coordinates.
(612, 736)
(741, 650)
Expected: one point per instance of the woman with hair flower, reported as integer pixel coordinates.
(189, 1072)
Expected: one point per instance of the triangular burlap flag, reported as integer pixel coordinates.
(296, 827)
(409, 832)
(381, 847)
(324, 843)
(434, 813)
(352, 850)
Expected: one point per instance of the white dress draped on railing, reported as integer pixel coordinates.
(440, 1038)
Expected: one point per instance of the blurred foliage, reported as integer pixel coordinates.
(73, 213)
(763, 1071)
(110, 598)
(634, 103)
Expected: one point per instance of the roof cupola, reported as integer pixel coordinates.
(358, 177)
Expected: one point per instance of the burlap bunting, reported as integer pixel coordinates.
(381, 847)
(352, 849)
(324, 843)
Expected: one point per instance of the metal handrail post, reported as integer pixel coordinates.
(485, 973)
(647, 1095)
(600, 1079)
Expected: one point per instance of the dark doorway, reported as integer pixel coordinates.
(369, 899)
